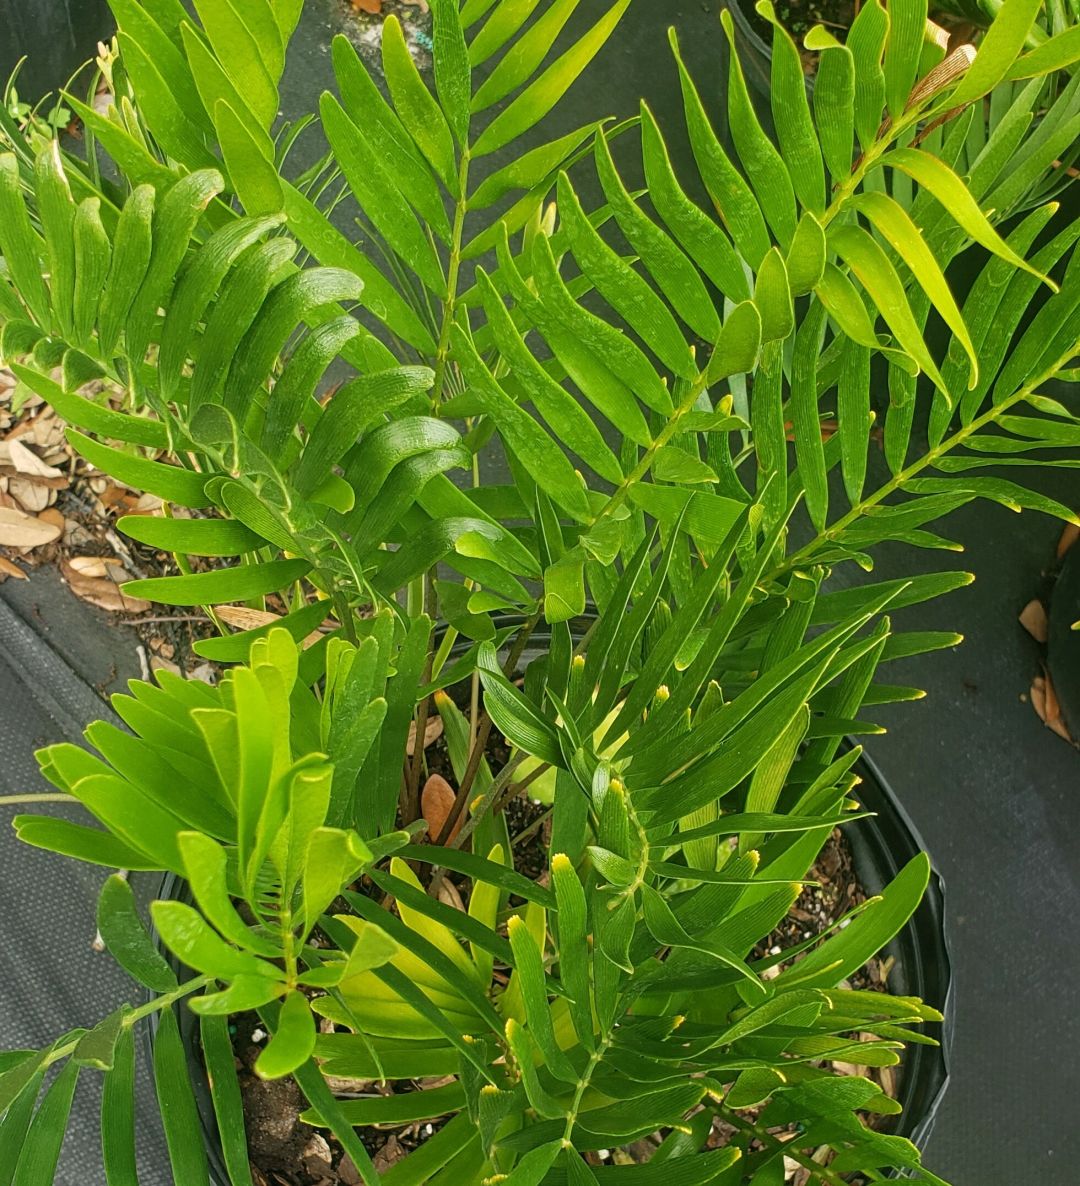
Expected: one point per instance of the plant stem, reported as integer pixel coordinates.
(582, 1086)
(345, 616)
(453, 272)
(157, 1005)
(784, 1148)
(805, 553)
(47, 797)
(699, 384)
(476, 753)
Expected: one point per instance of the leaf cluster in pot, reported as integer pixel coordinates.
(691, 398)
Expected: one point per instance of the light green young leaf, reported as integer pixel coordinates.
(936, 177)
(998, 50)
(894, 225)
(292, 1042)
(416, 107)
(254, 178)
(877, 275)
(241, 55)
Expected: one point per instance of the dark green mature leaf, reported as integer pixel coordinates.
(81, 412)
(517, 718)
(193, 537)
(167, 481)
(41, 1151)
(176, 1100)
(698, 234)
(379, 196)
(672, 271)
(536, 451)
(624, 289)
(14, 1126)
(220, 585)
(227, 1100)
(19, 242)
(834, 101)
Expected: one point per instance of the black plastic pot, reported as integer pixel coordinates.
(55, 36)
(880, 847)
(1063, 642)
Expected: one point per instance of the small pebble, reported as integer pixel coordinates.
(257, 1035)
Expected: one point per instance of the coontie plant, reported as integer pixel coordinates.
(685, 398)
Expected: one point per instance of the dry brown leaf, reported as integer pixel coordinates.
(373, 7)
(1045, 702)
(433, 730)
(1069, 535)
(102, 592)
(29, 495)
(10, 569)
(97, 566)
(245, 618)
(20, 530)
(26, 461)
(436, 800)
(449, 896)
(1034, 621)
(52, 515)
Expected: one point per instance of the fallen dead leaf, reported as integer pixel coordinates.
(245, 618)
(52, 515)
(1034, 621)
(449, 896)
(433, 730)
(98, 566)
(1045, 702)
(20, 530)
(101, 591)
(1069, 535)
(26, 461)
(436, 800)
(30, 495)
(373, 7)
(9, 569)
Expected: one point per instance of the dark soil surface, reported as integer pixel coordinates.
(800, 16)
